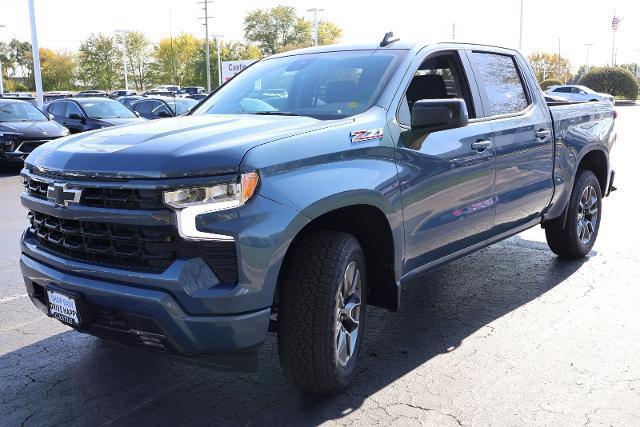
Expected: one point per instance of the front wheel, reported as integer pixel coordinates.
(322, 314)
(579, 234)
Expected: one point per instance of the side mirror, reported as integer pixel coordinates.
(430, 115)
(51, 116)
(74, 116)
(136, 113)
(164, 114)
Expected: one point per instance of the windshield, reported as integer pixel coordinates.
(106, 110)
(327, 85)
(20, 112)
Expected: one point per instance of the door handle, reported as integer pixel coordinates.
(481, 145)
(543, 134)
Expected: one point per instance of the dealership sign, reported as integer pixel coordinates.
(231, 68)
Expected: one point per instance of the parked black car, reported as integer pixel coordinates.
(159, 108)
(23, 128)
(91, 93)
(128, 101)
(118, 93)
(82, 114)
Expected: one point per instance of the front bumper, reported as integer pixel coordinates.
(152, 319)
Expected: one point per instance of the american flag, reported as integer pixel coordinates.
(615, 22)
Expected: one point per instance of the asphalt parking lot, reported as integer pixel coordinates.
(510, 335)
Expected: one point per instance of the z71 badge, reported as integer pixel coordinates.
(366, 135)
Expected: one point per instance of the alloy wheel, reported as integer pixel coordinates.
(587, 214)
(348, 307)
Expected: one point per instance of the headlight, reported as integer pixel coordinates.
(191, 202)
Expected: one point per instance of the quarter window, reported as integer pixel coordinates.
(502, 83)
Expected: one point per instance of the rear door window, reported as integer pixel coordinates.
(58, 109)
(72, 108)
(505, 92)
(143, 107)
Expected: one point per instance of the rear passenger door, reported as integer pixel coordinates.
(522, 137)
(446, 177)
(58, 111)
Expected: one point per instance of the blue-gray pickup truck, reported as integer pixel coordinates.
(314, 183)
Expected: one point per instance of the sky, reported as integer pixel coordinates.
(63, 24)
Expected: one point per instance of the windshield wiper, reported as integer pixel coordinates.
(276, 113)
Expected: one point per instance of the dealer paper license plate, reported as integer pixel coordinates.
(63, 308)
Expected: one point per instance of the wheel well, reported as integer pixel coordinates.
(596, 162)
(370, 227)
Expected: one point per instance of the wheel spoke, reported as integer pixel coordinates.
(342, 346)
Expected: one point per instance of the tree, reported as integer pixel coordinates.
(20, 63)
(546, 84)
(550, 66)
(613, 80)
(229, 51)
(58, 70)
(99, 61)
(579, 75)
(633, 68)
(139, 58)
(328, 33)
(272, 29)
(175, 60)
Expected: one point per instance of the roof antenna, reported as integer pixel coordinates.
(388, 39)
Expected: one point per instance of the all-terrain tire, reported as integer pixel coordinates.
(312, 302)
(569, 241)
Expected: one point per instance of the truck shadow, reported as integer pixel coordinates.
(71, 378)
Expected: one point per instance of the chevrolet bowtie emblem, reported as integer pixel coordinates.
(61, 195)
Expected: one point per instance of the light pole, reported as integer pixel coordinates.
(521, 21)
(1, 83)
(588, 45)
(36, 53)
(315, 11)
(217, 38)
(123, 34)
(207, 57)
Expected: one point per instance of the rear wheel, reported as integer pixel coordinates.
(322, 312)
(579, 234)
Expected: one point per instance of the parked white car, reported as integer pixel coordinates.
(579, 93)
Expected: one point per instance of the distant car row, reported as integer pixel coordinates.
(23, 127)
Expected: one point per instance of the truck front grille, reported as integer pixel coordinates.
(137, 248)
(100, 197)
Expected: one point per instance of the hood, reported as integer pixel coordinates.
(167, 148)
(34, 130)
(116, 121)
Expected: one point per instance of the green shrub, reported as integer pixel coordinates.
(546, 84)
(613, 80)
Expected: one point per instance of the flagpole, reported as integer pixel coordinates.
(613, 44)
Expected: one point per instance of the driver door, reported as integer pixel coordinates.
(446, 177)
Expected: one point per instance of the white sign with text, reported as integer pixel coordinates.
(231, 68)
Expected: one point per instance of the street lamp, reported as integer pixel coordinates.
(315, 11)
(521, 21)
(588, 45)
(1, 84)
(123, 35)
(36, 53)
(216, 38)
